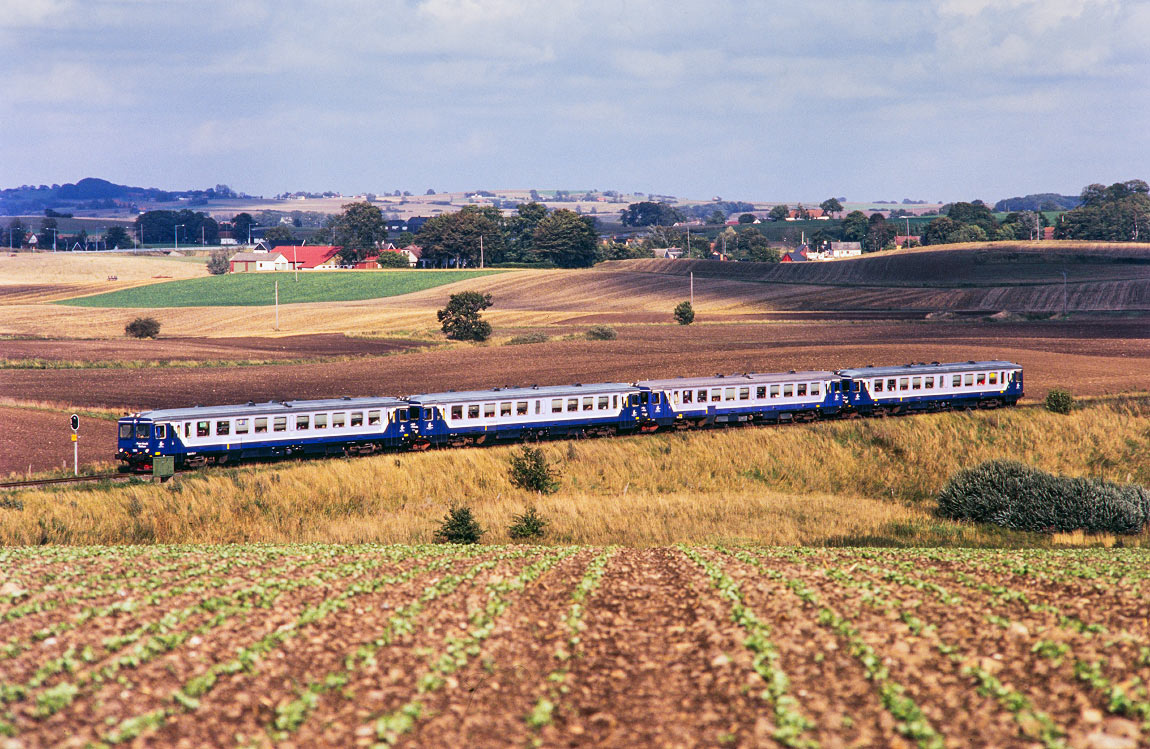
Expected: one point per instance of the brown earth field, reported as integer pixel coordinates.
(1089, 357)
(313, 645)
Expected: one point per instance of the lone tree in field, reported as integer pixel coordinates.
(143, 327)
(459, 527)
(460, 318)
(218, 263)
(531, 471)
(684, 313)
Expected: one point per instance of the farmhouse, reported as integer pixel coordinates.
(845, 249)
(248, 262)
(312, 257)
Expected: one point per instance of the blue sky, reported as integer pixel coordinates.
(867, 99)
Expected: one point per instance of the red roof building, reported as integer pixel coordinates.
(307, 257)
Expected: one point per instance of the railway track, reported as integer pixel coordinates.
(66, 480)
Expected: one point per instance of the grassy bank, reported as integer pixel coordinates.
(867, 482)
(258, 289)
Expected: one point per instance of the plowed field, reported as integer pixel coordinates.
(572, 646)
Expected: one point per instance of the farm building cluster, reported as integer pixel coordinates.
(264, 257)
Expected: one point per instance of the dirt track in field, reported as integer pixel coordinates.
(509, 646)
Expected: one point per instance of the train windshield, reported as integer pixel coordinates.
(125, 431)
(143, 431)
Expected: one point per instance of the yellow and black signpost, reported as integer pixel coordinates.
(75, 421)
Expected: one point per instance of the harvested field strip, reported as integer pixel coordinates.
(791, 726)
(456, 651)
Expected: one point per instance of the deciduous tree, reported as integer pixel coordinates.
(566, 239)
(461, 320)
(358, 231)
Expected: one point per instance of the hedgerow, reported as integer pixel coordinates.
(1014, 495)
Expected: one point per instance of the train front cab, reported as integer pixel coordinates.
(139, 440)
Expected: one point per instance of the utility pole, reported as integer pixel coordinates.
(176, 236)
(692, 289)
(480, 250)
(277, 304)
(1064, 293)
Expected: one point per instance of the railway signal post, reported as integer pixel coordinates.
(75, 421)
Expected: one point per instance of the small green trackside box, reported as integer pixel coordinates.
(164, 466)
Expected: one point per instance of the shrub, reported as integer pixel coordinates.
(460, 318)
(393, 259)
(459, 527)
(218, 263)
(531, 471)
(1014, 495)
(684, 313)
(527, 338)
(1059, 401)
(528, 525)
(143, 327)
(601, 333)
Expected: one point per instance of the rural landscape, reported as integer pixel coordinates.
(444, 373)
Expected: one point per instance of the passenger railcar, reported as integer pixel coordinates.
(731, 399)
(477, 417)
(222, 434)
(932, 387)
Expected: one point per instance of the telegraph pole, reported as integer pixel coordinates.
(277, 304)
(480, 250)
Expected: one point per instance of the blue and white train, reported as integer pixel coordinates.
(358, 426)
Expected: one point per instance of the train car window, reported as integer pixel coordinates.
(413, 413)
(538, 407)
(761, 391)
(338, 420)
(473, 410)
(634, 399)
(744, 394)
(489, 410)
(981, 379)
(321, 421)
(521, 408)
(589, 404)
(505, 409)
(604, 402)
(572, 404)
(968, 380)
(774, 391)
(223, 427)
(815, 388)
(301, 421)
(716, 394)
(802, 389)
(242, 426)
(428, 414)
(202, 428)
(728, 394)
(788, 391)
(992, 378)
(161, 431)
(556, 405)
(373, 417)
(614, 401)
(261, 424)
(702, 396)
(688, 396)
(279, 424)
(878, 386)
(1016, 376)
(143, 431)
(916, 383)
(457, 412)
(955, 381)
(929, 383)
(125, 431)
(904, 383)
(357, 418)
(656, 398)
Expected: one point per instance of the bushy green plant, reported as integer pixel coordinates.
(459, 527)
(527, 338)
(393, 259)
(460, 318)
(218, 263)
(684, 313)
(601, 333)
(531, 471)
(1059, 401)
(143, 327)
(528, 525)
(1014, 495)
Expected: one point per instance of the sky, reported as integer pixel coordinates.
(863, 99)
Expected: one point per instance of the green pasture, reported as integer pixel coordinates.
(258, 289)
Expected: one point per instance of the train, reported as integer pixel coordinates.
(219, 435)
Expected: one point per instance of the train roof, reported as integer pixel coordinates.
(547, 391)
(750, 378)
(932, 368)
(271, 408)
